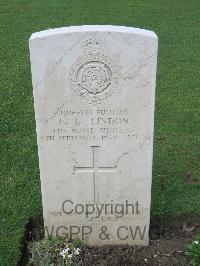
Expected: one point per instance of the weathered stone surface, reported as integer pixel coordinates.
(94, 89)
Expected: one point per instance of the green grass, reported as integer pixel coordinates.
(177, 121)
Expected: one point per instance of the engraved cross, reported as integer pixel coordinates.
(95, 169)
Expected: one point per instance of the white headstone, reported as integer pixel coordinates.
(94, 89)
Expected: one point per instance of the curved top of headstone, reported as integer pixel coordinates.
(92, 28)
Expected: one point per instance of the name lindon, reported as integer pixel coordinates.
(109, 121)
(103, 121)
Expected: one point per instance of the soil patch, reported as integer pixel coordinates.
(168, 240)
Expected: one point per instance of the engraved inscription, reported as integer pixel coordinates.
(83, 125)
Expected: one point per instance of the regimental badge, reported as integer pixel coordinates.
(94, 76)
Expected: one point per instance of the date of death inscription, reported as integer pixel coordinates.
(91, 125)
